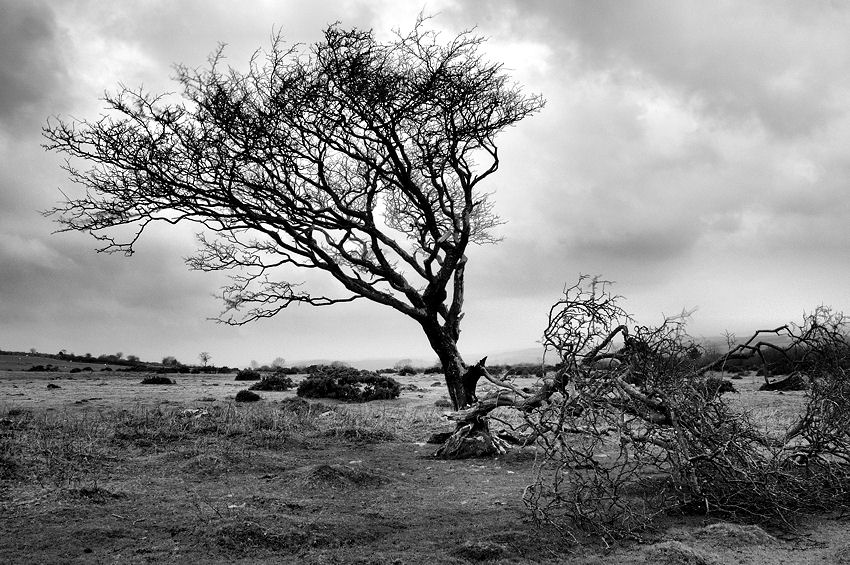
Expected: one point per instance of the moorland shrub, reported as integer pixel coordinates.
(296, 405)
(247, 396)
(275, 382)
(43, 368)
(75, 370)
(348, 384)
(157, 380)
(247, 375)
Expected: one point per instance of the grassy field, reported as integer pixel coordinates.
(103, 469)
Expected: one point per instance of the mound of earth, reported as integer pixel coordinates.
(339, 476)
(480, 550)
(733, 535)
(677, 553)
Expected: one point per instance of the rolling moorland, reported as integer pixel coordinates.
(97, 467)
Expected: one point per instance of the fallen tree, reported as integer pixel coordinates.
(633, 424)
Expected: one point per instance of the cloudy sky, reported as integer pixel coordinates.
(697, 153)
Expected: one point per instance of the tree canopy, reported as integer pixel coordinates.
(357, 157)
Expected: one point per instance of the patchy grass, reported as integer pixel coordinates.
(294, 481)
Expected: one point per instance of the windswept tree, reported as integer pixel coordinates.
(361, 158)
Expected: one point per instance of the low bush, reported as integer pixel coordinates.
(43, 369)
(248, 375)
(247, 396)
(348, 384)
(275, 382)
(75, 370)
(157, 380)
(296, 405)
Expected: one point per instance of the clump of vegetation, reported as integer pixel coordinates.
(348, 384)
(43, 368)
(247, 396)
(248, 375)
(157, 380)
(295, 405)
(714, 386)
(275, 382)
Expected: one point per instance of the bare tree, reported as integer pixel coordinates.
(360, 158)
(170, 361)
(204, 357)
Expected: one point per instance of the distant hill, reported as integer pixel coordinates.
(515, 357)
(22, 362)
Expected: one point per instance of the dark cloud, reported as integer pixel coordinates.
(32, 67)
(694, 152)
(766, 61)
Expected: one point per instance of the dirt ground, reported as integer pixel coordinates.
(334, 494)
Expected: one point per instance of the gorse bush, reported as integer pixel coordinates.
(247, 396)
(44, 368)
(157, 380)
(349, 384)
(248, 375)
(275, 382)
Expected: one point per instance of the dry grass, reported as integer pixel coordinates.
(69, 448)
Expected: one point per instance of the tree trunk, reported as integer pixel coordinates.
(472, 437)
(445, 346)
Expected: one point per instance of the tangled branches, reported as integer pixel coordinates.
(633, 425)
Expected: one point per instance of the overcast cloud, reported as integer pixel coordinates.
(694, 152)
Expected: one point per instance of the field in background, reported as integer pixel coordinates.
(104, 469)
